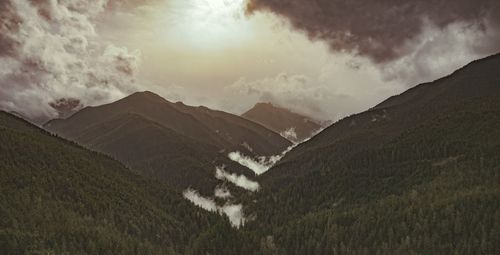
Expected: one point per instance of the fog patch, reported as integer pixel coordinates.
(262, 164)
(258, 167)
(200, 201)
(238, 180)
(235, 214)
(233, 211)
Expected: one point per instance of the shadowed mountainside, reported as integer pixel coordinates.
(417, 174)
(59, 198)
(281, 120)
(178, 144)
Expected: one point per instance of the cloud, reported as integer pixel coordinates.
(364, 51)
(341, 86)
(379, 29)
(200, 201)
(233, 211)
(408, 42)
(50, 53)
(263, 164)
(238, 180)
(235, 214)
(296, 92)
(66, 106)
(260, 165)
(257, 166)
(439, 51)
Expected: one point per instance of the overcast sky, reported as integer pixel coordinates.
(324, 58)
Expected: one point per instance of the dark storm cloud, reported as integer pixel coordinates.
(379, 29)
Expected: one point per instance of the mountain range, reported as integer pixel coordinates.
(173, 142)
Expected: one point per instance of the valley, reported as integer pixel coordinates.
(428, 156)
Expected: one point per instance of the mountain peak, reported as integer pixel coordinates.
(145, 95)
(142, 99)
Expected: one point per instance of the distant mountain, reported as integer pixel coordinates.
(59, 198)
(178, 144)
(290, 125)
(416, 174)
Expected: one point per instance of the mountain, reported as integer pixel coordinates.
(416, 174)
(398, 114)
(59, 198)
(290, 125)
(178, 144)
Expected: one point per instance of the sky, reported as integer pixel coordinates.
(323, 58)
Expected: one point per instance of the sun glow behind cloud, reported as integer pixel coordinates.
(208, 52)
(203, 24)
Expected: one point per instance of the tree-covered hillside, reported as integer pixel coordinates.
(435, 189)
(418, 174)
(59, 198)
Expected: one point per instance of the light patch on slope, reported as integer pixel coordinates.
(247, 146)
(233, 211)
(238, 180)
(289, 134)
(222, 192)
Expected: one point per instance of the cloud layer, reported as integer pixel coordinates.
(339, 87)
(378, 29)
(233, 211)
(57, 56)
(258, 166)
(238, 180)
(50, 53)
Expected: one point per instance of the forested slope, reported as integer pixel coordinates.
(57, 197)
(432, 190)
(418, 174)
